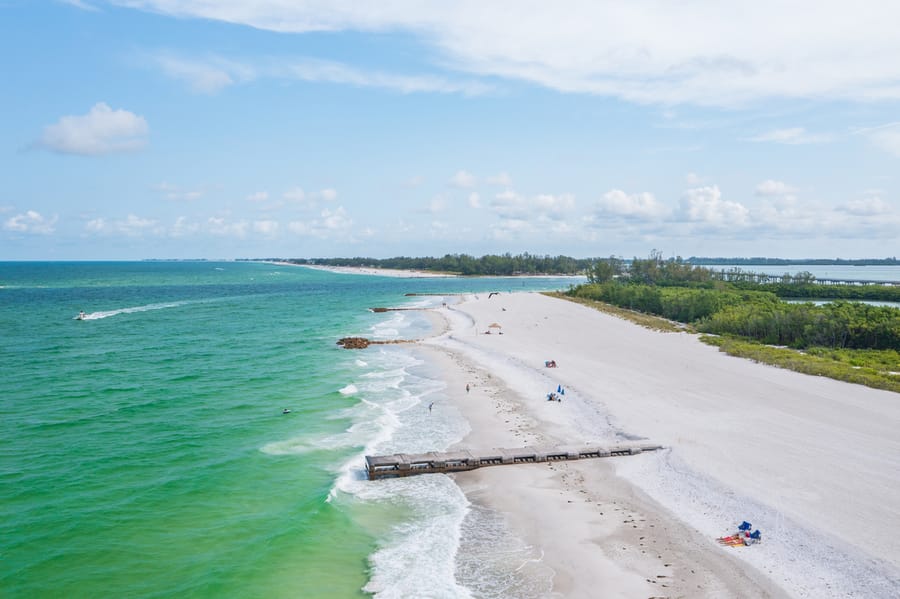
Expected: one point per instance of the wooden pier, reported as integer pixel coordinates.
(403, 464)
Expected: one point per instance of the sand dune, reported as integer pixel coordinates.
(814, 463)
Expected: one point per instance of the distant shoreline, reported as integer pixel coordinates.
(415, 274)
(380, 272)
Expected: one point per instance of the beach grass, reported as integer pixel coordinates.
(872, 368)
(643, 319)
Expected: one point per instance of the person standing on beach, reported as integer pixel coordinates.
(431, 405)
(467, 387)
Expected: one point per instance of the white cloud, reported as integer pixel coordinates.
(439, 229)
(175, 193)
(183, 228)
(135, 225)
(520, 215)
(80, 4)
(510, 229)
(702, 52)
(295, 195)
(131, 226)
(500, 179)
(888, 139)
(636, 205)
(705, 205)
(323, 71)
(267, 228)
(214, 73)
(693, 179)
(100, 131)
(510, 205)
(220, 227)
(310, 199)
(792, 136)
(336, 219)
(869, 206)
(258, 196)
(96, 225)
(553, 207)
(770, 187)
(474, 200)
(463, 180)
(298, 227)
(437, 204)
(331, 224)
(31, 221)
(204, 76)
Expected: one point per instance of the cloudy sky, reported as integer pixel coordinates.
(241, 128)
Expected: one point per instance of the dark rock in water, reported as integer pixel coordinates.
(353, 342)
(363, 343)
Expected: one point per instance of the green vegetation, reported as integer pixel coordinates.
(845, 340)
(683, 304)
(464, 264)
(872, 368)
(676, 272)
(648, 321)
(835, 325)
(800, 290)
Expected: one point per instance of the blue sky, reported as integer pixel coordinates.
(276, 128)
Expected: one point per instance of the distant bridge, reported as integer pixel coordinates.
(755, 277)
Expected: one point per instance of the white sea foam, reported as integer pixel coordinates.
(390, 329)
(132, 310)
(348, 390)
(416, 557)
(361, 364)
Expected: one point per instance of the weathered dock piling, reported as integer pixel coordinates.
(403, 464)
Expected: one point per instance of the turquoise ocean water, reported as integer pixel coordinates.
(144, 452)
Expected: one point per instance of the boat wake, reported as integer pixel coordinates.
(107, 313)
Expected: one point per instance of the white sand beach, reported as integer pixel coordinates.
(378, 272)
(813, 463)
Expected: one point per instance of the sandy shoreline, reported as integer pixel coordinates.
(413, 274)
(814, 463)
(378, 272)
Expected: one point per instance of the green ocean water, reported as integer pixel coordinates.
(144, 452)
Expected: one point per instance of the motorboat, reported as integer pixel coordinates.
(81, 316)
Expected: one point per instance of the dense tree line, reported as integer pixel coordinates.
(684, 304)
(464, 264)
(834, 325)
(809, 291)
(758, 315)
(676, 272)
(731, 304)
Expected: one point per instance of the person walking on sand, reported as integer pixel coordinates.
(467, 387)
(431, 405)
